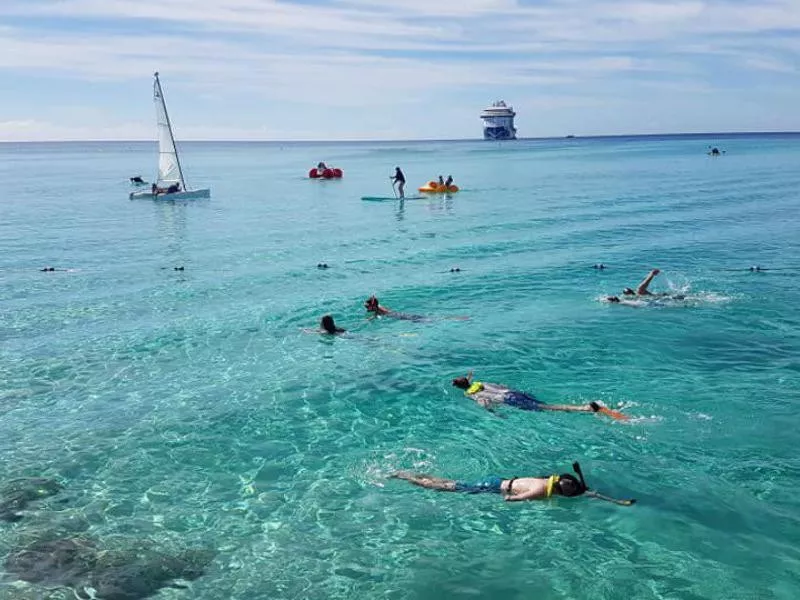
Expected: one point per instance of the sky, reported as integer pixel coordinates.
(410, 69)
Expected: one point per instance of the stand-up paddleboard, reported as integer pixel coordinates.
(388, 198)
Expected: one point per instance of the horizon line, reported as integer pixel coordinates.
(368, 141)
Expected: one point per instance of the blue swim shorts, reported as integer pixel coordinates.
(523, 401)
(489, 484)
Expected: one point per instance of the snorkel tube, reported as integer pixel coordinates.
(592, 493)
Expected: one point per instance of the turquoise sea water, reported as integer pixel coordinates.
(189, 407)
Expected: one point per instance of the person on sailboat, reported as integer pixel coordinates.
(490, 395)
(400, 180)
(175, 187)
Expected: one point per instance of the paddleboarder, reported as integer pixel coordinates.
(400, 180)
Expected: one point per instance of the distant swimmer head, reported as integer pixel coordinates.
(599, 266)
(322, 265)
(455, 270)
(327, 323)
(628, 292)
(371, 304)
(461, 382)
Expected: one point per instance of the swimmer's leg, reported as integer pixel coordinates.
(641, 290)
(426, 481)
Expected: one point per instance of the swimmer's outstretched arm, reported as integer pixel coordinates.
(427, 481)
(567, 407)
(642, 290)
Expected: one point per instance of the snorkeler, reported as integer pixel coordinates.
(490, 395)
(514, 489)
(328, 326)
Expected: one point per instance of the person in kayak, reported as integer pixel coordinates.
(491, 395)
(514, 489)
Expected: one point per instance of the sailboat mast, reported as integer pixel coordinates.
(169, 127)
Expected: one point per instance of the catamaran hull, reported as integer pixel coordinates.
(186, 195)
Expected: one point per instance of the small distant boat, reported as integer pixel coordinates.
(170, 183)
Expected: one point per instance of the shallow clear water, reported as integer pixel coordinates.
(190, 408)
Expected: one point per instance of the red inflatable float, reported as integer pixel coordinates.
(326, 173)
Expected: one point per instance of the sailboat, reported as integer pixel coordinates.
(170, 174)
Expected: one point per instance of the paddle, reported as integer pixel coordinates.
(394, 191)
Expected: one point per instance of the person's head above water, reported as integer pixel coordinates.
(461, 382)
(566, 485)
(329, 326)
(371, 303)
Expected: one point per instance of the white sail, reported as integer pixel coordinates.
(170, 184)
(169, 169)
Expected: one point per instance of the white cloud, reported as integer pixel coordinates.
(360, 56)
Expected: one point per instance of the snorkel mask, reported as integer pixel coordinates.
(586, 490)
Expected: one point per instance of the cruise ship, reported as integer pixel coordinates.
(498, 122)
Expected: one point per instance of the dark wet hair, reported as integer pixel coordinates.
(612, 299)
(329, 325)
(371, 303)
(461, 382)
(569, 485)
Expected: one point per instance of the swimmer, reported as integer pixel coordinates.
(48, 269)
(514, 489)
(449, 181)
(641, 289)
(138, 180)
(599, 266)
(372, 305)
(490, 395)
(322, 265)
(327, 326)
(181, 268)
(455, 270)
(441, 180)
